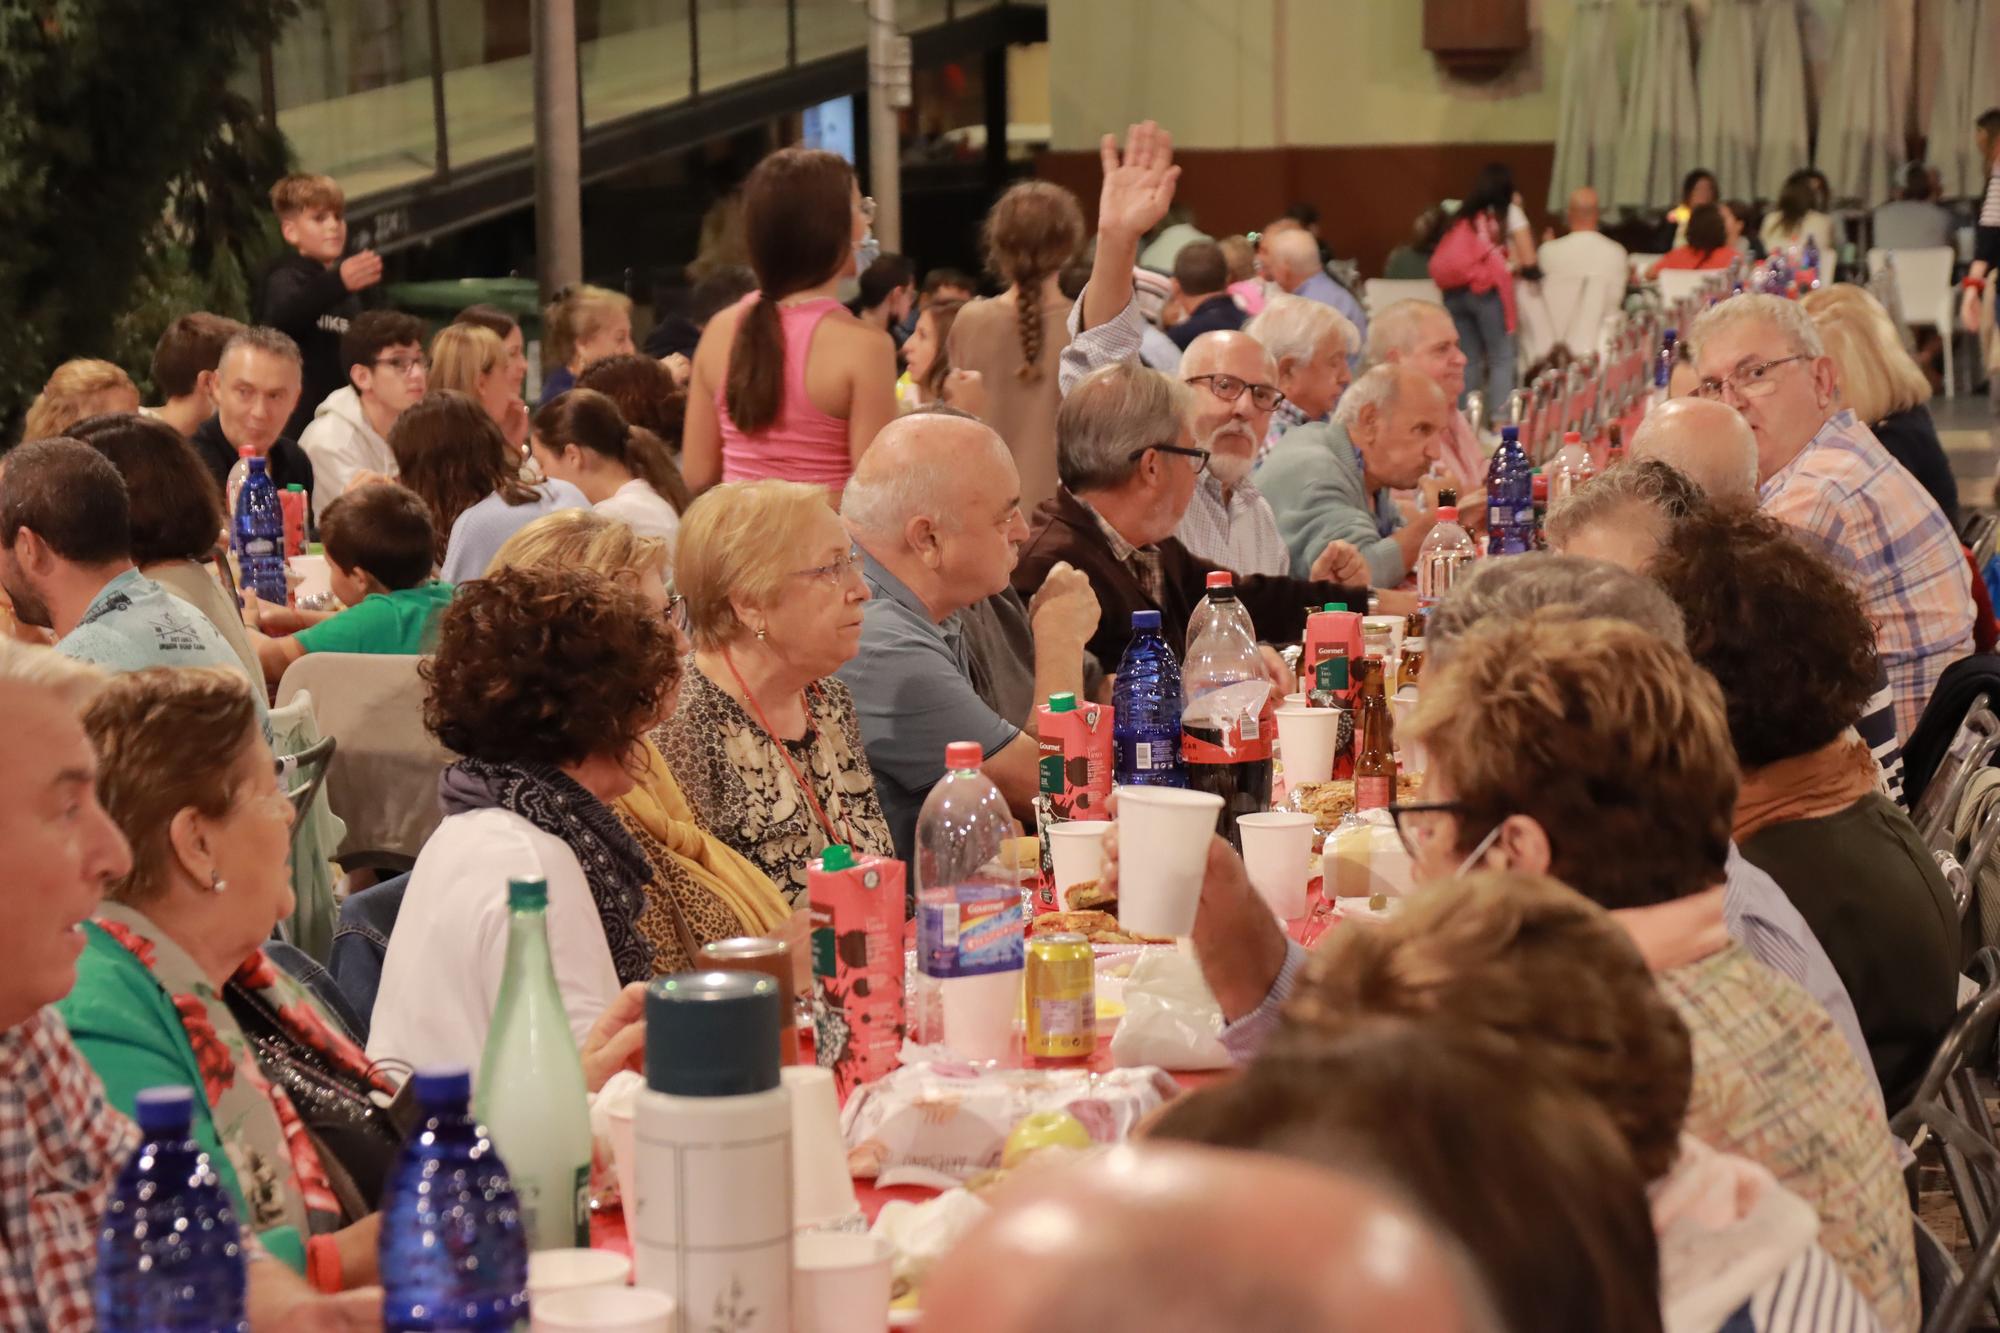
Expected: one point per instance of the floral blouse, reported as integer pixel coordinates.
(743, 792)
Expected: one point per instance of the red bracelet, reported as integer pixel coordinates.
(323, 1268)
(1973, 284)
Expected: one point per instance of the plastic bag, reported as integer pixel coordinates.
(1171, 1018)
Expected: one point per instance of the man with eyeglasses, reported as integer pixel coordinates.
(1332, 481)
(1821, 470)
(348, 440)
(257, 384)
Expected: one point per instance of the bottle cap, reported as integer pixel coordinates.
(444, 1086)
(712, 1034)
(837, 856)
(527, 894)
(1447, 513)
(1062, 703)
(245, 451)
(1145, 620)
(963, 754)
(1572, 437)
(1510, 434)
(256, 463)
(294, 486)
(165, 1109)
(1220, 578)
(1540, 486)
(1336, 606)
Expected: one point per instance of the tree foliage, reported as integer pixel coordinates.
(132, 178)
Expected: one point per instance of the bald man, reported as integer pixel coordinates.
(1707, 442)
(935, 506)
(1290, 258)
(1578, 309)
(1187, 1240)
(1331, 481)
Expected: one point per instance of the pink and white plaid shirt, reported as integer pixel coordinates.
(1886, 532)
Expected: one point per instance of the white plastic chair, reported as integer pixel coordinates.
(1677, 284)
(1923, 277)
(1640, 263)
(1378, 294)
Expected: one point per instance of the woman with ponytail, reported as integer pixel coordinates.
(1014, 339)
(626, 473)
(787, 383)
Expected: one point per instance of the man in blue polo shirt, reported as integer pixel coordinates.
(935, 506)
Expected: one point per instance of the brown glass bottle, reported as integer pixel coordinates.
(1375, 743)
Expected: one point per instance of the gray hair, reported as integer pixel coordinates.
(1377, 388)
(35, 667)
(1543, 584)
(1649, 483)
(264, 339)
(880, 500)
(1395, 330)
(1294, 325)
(1111, 412)
(1787, 317)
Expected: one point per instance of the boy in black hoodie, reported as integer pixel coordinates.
(311, 295)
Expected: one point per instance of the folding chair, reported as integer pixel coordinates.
(1923, 281)
(1378, 294)
(1973, 746)
(313, 761)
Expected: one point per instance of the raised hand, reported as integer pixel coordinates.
(1139, 184)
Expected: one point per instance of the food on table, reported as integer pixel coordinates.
(1090, 896)
(1096, 926)
(1043, 1129)
(1330, 802)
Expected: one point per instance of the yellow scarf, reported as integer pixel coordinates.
(1806, 786)
(657, 804)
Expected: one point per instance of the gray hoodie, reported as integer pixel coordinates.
(341, 443)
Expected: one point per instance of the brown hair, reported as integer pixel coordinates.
(538, 665)
(649, 400)
(452, 455)
(798, 220)
(68, 397)
(167, 739)
(489, 317)
(1545, 971)
(1607, 736)
(191, 344)
(1531, 1178)
(590, 420)
(1878, 377)
(942, 315)
(175, 508)
(1030, 233)
(383, 530)
(1777, 627)
(300, 191)
(577, 313)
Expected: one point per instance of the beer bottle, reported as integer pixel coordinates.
(1375, 745)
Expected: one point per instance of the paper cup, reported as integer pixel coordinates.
(1308, 740)
(604, 1310)
(1277, 854)
(822, 1189)
(840, 1284)
(624, 1161)
(551, 1271)
(1163, 836)
(1076, 853)
(1295, 701)
(979, 1013)
(1408, 753)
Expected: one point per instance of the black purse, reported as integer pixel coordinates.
(357, 1130)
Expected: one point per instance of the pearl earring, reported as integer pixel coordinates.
(216, 883)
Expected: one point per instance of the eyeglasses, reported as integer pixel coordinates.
(1228, 388)
(1422, 825)
(403, 365)
(1749, 382)
(868, 207)
(1200, 456)
(677, 609)
(835, 574)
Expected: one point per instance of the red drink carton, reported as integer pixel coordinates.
(857, 946)
(1075, 743)
(294, 501)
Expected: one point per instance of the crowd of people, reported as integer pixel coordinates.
(707, 609)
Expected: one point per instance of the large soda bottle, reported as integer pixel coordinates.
(1447, 549)
(1227, 725)
(169, 1255)
(1205, 609)
(1146, 703)
(1570, 468)
(532, 1098)
(453, 1253)
(259, 534)
(970, 927)
(1510, 500)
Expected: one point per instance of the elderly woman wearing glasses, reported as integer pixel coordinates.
(764, 739)
(1820, 469)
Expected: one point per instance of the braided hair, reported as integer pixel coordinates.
(1031, 233)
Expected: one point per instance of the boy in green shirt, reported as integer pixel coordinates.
(379, 553)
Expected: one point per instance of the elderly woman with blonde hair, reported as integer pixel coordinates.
(78, 389)
(765, 739)
(702, 890)
(1883, 385)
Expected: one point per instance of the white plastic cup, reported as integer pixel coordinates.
(979, 1013)
(1163, 837)
(822, 1187)
(1295, 701)
(1408, 753)
(551, 1271)
(1308, 740)
(840, 1284)
(624, 1160)
(603, 1310)
(1076, 854)
(1277, 855)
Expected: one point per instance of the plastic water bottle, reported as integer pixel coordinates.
(237, 472)
(453, 1253)
(1570, 468)
(1809, 262)
(1510, 497)
(169, 1254)
(1663, 365)
(1146, 707)
(1227, 725)
(970, 922)
(532, 1098)
(259, 535)
(1447, 549)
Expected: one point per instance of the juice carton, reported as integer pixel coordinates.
(1075, 741)
(857, 948)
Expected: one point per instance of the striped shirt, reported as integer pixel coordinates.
(1887, 533)
(1238, 531)
(1809, 1295)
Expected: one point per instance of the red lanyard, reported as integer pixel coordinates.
(805, 788)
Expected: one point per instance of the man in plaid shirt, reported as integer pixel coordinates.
(61, 1147)
(1824, 472)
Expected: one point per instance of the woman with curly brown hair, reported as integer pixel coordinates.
(786, 383)
(546, 681)
(1787, 639)
(1014, 340)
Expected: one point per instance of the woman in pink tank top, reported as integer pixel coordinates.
(787, 383)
